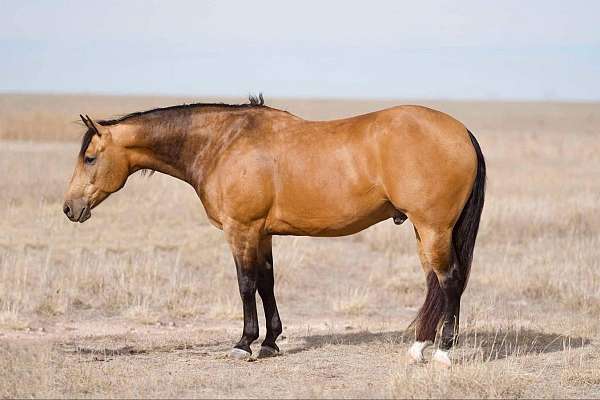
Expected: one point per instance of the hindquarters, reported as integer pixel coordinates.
(446, 254)
(434, 172)
(427, 165)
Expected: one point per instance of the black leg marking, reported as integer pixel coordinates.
(432, 310)
(452, 288)
(247, 277)
(266, 284)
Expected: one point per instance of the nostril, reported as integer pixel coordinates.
(67, 210)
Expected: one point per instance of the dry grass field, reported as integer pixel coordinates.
(141, 301)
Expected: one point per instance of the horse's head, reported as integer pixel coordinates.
(101, 169)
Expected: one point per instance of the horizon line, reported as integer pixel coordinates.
(303, 97)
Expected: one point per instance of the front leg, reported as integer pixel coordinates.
(244, 242)
(266, 283)
(247, 274)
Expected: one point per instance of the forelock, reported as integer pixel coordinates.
(86, 140)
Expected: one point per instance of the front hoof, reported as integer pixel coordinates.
(239, 354)
(267, 351)
(442, 358)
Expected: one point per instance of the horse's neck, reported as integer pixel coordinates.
(184, 151)
(157, 148)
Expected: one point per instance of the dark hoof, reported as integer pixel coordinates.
(239, 354)
(266, 352)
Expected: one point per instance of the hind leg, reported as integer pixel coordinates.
(435, 252)
(424, 329)
(452, 283)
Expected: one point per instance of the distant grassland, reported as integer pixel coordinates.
(142, 300)
(56, 117)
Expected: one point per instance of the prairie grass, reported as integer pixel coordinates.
(351, 301)
(147, 274)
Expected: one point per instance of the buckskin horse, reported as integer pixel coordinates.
(260, 171)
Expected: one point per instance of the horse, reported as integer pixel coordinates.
(260, 171)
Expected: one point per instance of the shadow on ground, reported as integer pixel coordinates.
(474, 345)
(312, 342)
(103, 350)
(489, 345)
(485, 345)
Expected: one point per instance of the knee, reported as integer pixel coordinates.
(247, 289)
(248, 295)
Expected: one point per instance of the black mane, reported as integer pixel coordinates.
(253, 101)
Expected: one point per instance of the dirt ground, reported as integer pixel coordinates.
(141, 300)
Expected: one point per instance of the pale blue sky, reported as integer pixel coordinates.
(529, 50)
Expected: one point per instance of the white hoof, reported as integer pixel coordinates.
(267, 351)
(416, 351)
(239, 354)
(442, 358)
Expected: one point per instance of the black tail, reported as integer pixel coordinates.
(465, 230)
(464, 235)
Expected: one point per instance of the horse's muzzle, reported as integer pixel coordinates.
(77, 210)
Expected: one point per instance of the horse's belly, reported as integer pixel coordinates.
(328, 221)
(329, 189)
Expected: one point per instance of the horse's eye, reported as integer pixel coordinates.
(89, 160)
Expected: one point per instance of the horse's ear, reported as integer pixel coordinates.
(85, 122)
(92, 125)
